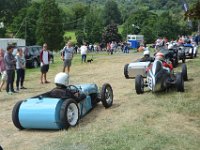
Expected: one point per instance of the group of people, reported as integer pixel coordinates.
(11, 65)
(68, 52)
(8, 65)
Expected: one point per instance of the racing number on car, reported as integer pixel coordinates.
(149, 82)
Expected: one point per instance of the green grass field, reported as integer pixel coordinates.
(151, 121)
(70, 34)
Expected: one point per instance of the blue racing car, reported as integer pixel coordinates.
(58, 108)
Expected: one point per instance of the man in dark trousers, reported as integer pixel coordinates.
(10, 62)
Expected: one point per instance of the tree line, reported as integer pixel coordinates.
(92, 21)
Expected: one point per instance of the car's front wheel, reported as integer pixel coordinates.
(107, 95)
(126, 71)
(184, 72)
(139, 84)
(179, 82)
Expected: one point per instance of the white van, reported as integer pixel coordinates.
(4, 42)
(139, 38)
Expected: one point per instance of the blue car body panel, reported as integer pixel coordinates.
(85, 106)
(40, 113)
(88, 88)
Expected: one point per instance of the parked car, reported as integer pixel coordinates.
(32, 55)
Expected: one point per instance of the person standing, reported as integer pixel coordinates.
(2, 69)
(67, 56)
(83, 52)
(20, 69)
(44, 59)
(126, 48)
(10, 62)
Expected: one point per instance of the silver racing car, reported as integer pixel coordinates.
(160, 78)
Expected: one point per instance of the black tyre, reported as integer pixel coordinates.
(15, 115)
(107, 95)
(126, 71)
(195, 55)
(174, 63)
(192, 55)
(35, 63)
(179, 82)
(139, 84)
(184, 72)
(183, 59)
(69, 113)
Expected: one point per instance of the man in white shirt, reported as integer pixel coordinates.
(44, 59)
(83, 52)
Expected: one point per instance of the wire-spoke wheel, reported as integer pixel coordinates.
(107, 95)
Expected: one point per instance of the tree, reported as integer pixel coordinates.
(31, 23)
(166, 26)
(50, 25)
(10, 8)
(24, 24)
(137, 21)
(93, 26)
(18, 25)
(68, 18)
(79, 11)
(194, 12)
(111, 13)
(2, 30)
(111, 34)
(80, 37)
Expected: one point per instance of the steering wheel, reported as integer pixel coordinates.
(74, 90)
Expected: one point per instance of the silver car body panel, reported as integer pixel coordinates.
(137, 68)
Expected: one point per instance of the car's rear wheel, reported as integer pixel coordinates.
(191, 55)
(195, 55)
(107, 95)
(15, 115)
(195, 52)
(139, 84)
(126, 71)
(179, 82)
(69, 113)
(183, 59)
(174, 63)
(184, 72)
